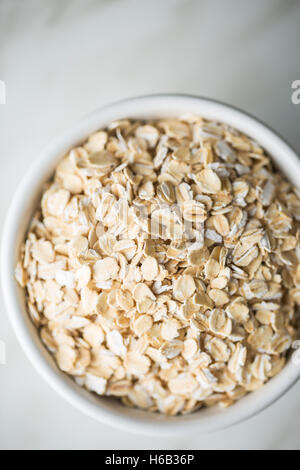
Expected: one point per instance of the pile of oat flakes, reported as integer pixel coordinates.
(163, 265)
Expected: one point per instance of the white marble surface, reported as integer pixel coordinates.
(61, 59)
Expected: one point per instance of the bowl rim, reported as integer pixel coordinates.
(159, 105)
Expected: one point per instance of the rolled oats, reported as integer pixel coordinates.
(150, 269)
(162, 266)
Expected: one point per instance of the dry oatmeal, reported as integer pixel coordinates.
(162, 266)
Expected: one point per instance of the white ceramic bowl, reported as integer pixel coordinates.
(104, 409)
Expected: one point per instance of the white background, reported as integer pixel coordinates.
(61, 59)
